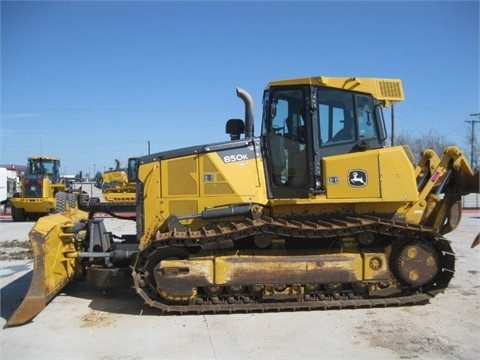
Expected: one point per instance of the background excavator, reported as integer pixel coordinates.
(314, 213)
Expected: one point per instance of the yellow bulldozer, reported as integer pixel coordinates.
(314, 213)
(115, 185)
(43, 191)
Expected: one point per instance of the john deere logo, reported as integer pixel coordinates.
(357, 178)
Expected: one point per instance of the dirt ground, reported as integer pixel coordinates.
(84, 323)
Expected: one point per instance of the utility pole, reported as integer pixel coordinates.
(472, 137)
(392, 138)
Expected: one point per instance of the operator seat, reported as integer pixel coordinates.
(347, 132)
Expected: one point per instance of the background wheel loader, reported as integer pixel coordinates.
(43, 191)
(314, 213)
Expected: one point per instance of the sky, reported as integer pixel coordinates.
(95, 81)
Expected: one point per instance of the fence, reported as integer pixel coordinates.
(471, 201)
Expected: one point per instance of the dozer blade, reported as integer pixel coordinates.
(54, 260)
(471, 184)
(476, 241)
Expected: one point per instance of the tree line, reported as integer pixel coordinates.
(432, 139)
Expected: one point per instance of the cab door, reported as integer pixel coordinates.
(286, 137)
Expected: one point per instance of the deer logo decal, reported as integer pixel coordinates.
(357, 178)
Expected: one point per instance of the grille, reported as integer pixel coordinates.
(390, 89)
(32, 188)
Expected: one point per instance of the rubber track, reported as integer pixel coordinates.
(223, 236)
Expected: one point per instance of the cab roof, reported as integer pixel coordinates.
(387, 91)
(43, 158)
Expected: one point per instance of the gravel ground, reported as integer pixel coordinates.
(83, 323)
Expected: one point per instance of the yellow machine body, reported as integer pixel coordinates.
(297, 218)
(116, 186)
(190, 184)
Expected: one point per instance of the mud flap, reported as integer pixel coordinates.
(53, 243)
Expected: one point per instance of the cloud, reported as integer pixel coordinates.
(13, 115)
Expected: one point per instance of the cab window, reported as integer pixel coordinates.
(336, 113)
(345, 117)
(366, 123)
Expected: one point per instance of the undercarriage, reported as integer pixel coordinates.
(274, 264)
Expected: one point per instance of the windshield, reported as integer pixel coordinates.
(42, 167)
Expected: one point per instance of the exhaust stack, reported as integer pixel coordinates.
(247, 99)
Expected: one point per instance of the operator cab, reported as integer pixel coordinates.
(41, 166)
(302, 123)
